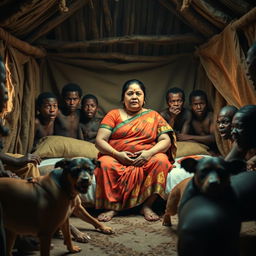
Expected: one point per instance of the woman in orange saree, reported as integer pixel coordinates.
(133, 143)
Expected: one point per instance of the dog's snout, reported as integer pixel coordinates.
(85, 178)
(213, 178)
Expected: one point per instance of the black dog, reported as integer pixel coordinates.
(211, 176)
(213, 205)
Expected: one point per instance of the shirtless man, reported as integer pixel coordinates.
(89, 123)
(47, 107)
(67, 121)
(176, 115)
(243, 133)
(201, 124)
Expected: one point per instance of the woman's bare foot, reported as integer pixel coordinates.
(149, 214)
(79, 236)
(107, 216)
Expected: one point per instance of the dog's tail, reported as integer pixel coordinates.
(2, 234)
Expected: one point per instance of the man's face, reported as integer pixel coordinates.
(72, 101)
(224, 124)
(198, 106)
(49, 109)
(175, 101)
(240, 131)
(90, 108)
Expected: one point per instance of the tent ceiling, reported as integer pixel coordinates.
(107, 27)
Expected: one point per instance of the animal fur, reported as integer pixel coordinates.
(41, 206)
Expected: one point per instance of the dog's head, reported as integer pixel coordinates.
(212, 174)
(79, 171)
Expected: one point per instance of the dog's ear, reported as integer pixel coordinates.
(64, 163)
(96, 162)
(236, 166)
(189, 164)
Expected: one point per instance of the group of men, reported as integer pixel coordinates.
(68, 120)
(194, 124)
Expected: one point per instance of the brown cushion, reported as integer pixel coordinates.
(185, 148)
(59, 146)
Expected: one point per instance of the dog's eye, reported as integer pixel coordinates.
(203, 173)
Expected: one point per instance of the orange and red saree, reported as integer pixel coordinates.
(122, 187)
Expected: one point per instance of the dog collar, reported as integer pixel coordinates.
(57, 176)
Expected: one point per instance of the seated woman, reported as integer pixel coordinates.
(133, 142)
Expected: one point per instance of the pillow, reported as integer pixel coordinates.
(60, 146)
(187, 148)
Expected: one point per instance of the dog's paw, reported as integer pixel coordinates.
(82, 238)
(106, 230)
(167, 220)
(74, 249)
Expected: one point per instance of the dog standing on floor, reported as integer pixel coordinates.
(40, 206)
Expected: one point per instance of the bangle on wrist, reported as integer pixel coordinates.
(113, 153)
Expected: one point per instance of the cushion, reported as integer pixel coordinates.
(59, 146)
(187, 148)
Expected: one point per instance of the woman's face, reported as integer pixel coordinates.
(134, 98)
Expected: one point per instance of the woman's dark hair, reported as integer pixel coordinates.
(89, 96)
(128, 83)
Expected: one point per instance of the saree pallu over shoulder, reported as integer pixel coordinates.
(139, 132)
(122, 187)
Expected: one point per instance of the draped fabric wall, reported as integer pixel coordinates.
(24, 79)
(221, 74)
(224, 62)
(105, 79)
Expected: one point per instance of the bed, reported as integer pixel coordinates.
(54, 148)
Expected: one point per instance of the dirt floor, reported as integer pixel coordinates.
(134, 236)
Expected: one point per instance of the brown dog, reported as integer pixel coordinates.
(41, 206)
(173, 201)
